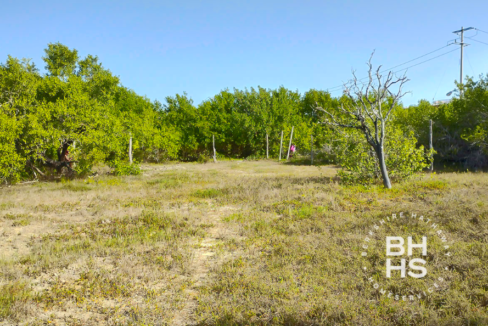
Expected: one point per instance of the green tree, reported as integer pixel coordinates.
(60, 60)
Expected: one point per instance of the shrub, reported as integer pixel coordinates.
(125, 168)
(203, 158)
(360, 164)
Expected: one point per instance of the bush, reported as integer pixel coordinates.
(203, 158)
(360, 164)
(125, 168)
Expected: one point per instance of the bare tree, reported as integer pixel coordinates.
(369, 110)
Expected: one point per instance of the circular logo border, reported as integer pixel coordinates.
(434, 285)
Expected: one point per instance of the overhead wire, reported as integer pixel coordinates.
(338, 87)
(440, 55)
(470, 65)
(472, 39)
(416, 58)
(440, 82)
(333, 91)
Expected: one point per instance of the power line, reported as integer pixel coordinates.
(481, 30)
(403, 64)
(477, 40)
(440, 82)
(339, 87)
(470, 65)
(440, 55)
(333, 89)
(416, 58)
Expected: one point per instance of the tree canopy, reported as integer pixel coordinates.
(79, 106)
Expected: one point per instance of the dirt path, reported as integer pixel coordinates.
(206, 256)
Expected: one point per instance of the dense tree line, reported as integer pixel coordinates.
(460, 127)
(241, 119)
(77, 107)
(80, 110)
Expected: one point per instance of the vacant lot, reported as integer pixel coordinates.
(233, 243)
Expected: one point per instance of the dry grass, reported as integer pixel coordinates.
(233, 243)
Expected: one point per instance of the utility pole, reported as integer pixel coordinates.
(215, 152)
(281, 144)
(431, 148)
(462, 30)
(130, 148)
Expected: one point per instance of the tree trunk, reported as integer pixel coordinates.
(63, 149)
(58, 165)
(267, 155)
(384, 172)
(281, 144)
(214, 151)
(311, 150)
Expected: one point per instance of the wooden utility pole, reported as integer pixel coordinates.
(130, 148)
(311, 150)
(267, 155)
(281, 144)
(289, 145)
(214, 152)
(431, 148)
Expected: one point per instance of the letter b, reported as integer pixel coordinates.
(390, 245)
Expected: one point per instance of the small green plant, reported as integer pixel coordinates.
(75, 186)
(203, 158)
(124, 168)
(10, 294)
(236, 217)
(22, 222)
(9, 216)
(208, 193)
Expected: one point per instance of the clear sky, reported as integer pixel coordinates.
(160, 48)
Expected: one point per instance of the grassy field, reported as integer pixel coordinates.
(235, 243)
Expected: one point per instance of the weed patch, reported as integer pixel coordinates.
(209, 193)
(11, 295)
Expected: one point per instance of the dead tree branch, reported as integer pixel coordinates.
(370, 108)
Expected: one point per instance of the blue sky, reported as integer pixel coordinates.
(160, 48)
